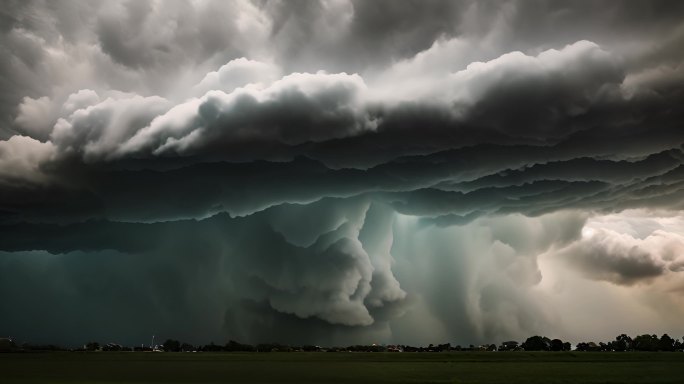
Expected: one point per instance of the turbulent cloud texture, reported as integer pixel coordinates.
(339, 171)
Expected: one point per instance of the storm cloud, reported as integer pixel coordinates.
(336, 171)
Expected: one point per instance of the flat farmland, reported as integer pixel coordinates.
(341, 367)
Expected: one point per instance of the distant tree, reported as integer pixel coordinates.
(666, 343)
(211, 347)
(588, 347)
(678, 345)
(646, 343)
(556, 345)
(112, 347)
(622, 343)
(567, 346)
(185, 347)
(311, 348)
(275, 347)
(92, 346)
(7, 345)
(537, 343)
(508, 346)
(142, 348)
(171, 345)
(234, 346)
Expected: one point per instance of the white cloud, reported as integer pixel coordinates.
(446, 75)
(96, 132)
(237, 73)
(36, 117)
(627, 248)
(298, 108)
(79, 100)
(21, 158)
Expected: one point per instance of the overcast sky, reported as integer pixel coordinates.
(341, 172)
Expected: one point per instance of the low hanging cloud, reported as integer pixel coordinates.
(628, 253)
(614, 258)
(337, 170)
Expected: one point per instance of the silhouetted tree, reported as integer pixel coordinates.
(588, 347)
(273, 347)
(678, 345)
(112, 347)
(92, 346)
(211, 347)
(234, 346)
(537, 343)
(646, 343)
(556, 345)
(508, 346)
(7, 345)
(171, 345)
(666, 343)
(622, 343)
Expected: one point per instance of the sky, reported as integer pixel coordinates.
(341, 172)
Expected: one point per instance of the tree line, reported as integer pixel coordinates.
(622, 343)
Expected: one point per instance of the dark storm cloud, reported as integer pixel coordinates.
(266, 155)
(430, 185)
(318, 269)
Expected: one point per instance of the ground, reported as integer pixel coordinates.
(340, 367)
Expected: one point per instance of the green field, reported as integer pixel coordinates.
(460, 367)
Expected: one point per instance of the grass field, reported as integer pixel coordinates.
(461, 367)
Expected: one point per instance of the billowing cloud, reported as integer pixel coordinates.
(339, 171)
(36, 117)
(237, 73)
(615, 258)
(21, 159)
(96, 131)
(629, 253)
